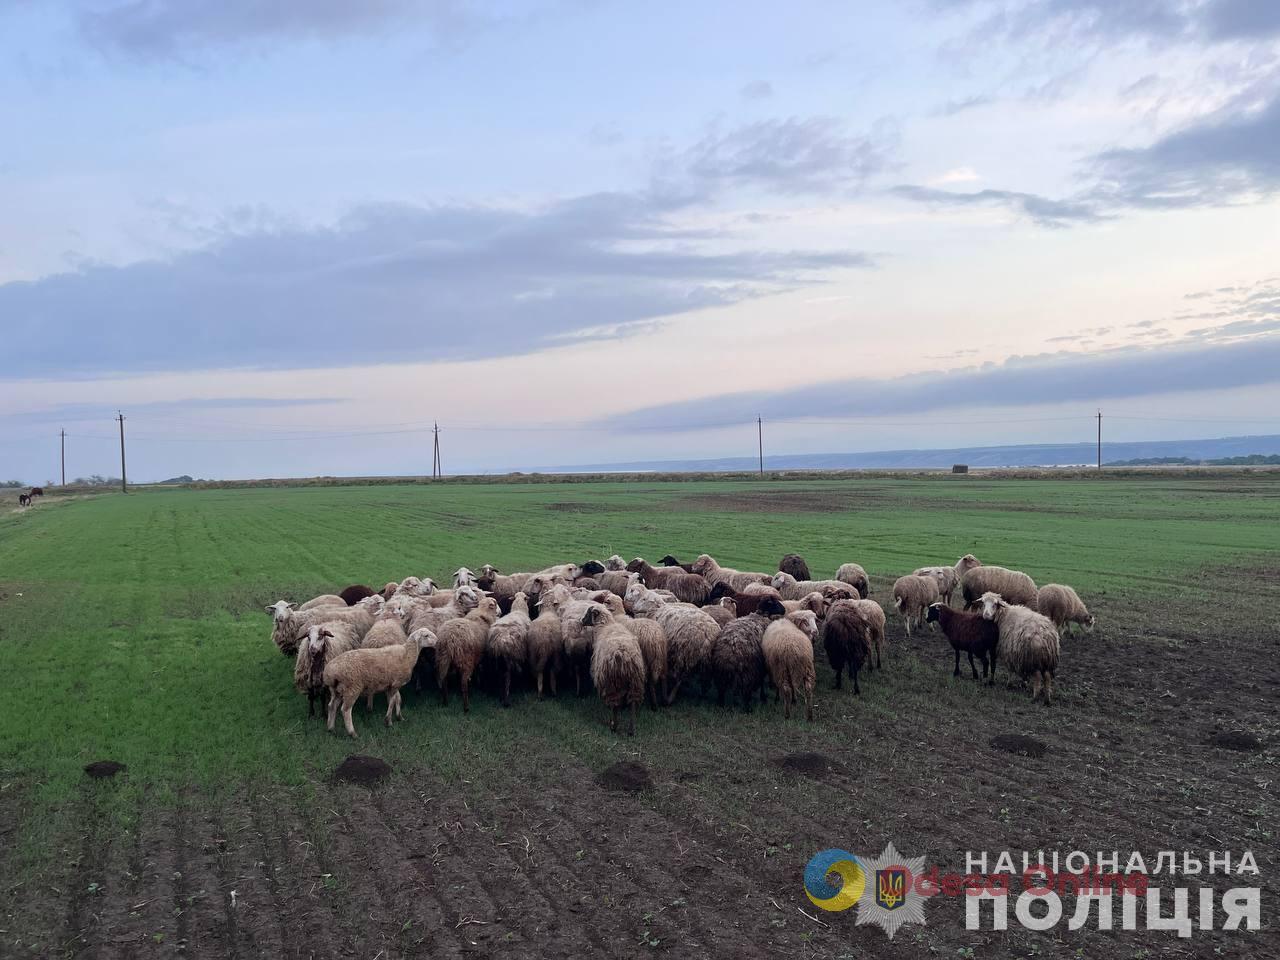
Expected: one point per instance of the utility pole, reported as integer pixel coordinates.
(63, 435)
(760, 439)
(1099, 438)
(437, 470)
(124, 483)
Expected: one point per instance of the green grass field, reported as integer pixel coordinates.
(133, 628)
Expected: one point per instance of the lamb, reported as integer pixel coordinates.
(1029, 644)
(789, 588)
(617, 665)
(1012, 585)
(787, 646)
(948, 578)
(738, 579)
(355, 593)
(1063, 606)
(794, 564)
(688, 587)
(509, 642)
(324, 642)
(856, 577)
(847, 640)
(324, 600)
(653, 647)
(670, 561)
(460, 643)
(371, 671)
(968, 633)
(691, 633)
(912, 596)
(615, 564)
(737, 662)
(545, 641)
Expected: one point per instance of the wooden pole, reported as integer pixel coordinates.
(63, 435)
(1099, 438)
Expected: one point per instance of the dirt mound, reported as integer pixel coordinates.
(809, 764)
(1236, 740)
(1017, 743)
(363, 770)
(103, 769)
(625, 775)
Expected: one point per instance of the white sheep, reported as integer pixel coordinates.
(509, 642)
(1029, 645)
(912, 596)
(371, 671)
(1063, 606)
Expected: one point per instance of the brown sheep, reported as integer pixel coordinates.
(1063, 606)
(546, 640)
(691, 633)
(380, 670)
(737, 662)
(847, 641)
(794, 564)
(738, 579)
(509, 642)
(856, 577)
(653, 647)
(688, 587)
(912, 596)
(617, 665)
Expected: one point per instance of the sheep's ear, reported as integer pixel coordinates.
(293, 606)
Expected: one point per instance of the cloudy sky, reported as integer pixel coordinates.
(285, 237)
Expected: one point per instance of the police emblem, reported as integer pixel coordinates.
(892, 897)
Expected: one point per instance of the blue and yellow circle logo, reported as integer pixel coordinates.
(847, 867)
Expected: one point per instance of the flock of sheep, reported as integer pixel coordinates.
(637, 632)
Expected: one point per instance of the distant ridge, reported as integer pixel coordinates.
(1017, 455)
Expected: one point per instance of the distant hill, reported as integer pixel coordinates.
(1253, 460)
(1225, 450)
(182, 479)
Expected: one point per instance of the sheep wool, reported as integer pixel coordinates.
(324, 642)
(509, 642)
(787, 646)
(1013, 586)
(911, 597)
(856, 577)
(1029, 644)
(460, 645)
(617, 665)
(1063, 606)
(794, 564)
(737, 661)
(370, 671)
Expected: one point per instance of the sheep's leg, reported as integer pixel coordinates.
(808, 705)
(444, 689)
(973, 667)
(346, 716)
(1035, 686)
(1048, 688)
(577, 677)
(333, 708)
(856, 689)
(631, 731)
(368, 702)
(879, 653)
(539, 681)
(956, 671)
(506, 687)
(552, 676)
(839, 682)
(391, 706)
(673, 689)
(786, 702)
(613, 720)
(466, 691)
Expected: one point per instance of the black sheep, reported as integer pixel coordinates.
(844, 637)
(355, 593)
(969, 633)
(794, 564)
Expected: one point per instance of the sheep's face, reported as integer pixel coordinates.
(807, 621)
(615, 563)
(993, 605)
(815, 603)
(635, 565)
(466, 598)
(703, 564)
(426, 587)
(669, 561)
(575, 572)
(488, 608)
(374, 603)
(729, 604)
(425, 638)
(409, 584)
(967, 563)
(489, 571)
(780, 580)
(592, 568)
(463, 576)
(647, 602)
(635, 589)
(317, 638)
(280, 610)
(555, 596)
(1089, 621)
(931, 615)
(594, 615)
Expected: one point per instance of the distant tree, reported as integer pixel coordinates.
(12, 483)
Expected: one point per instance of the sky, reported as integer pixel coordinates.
(286, 239)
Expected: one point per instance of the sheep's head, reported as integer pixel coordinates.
(389, 590)
(729, 604)
(280, 610)
(614, 603)
(489, 571)
(520, 602)
(426, 587)
(932, 614)
(596, 614)
(615, 563)
(409, 585)
(487, 608)
(719, 592)
(993, 605)
(704, 564)
(575, 572)
(815, 603)
(635, 565)
(771, 607)
(592, 568)
(402, 607)
(669, 561)
(1089, 621)
(635, 588)
(424, 637)
(648, 602)
(317, 637)
(832, 592)
(781, 580)
(554, 596)
(967, 563)
(374, 603)
(466, 598)
(806, 621)
(463, 576)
